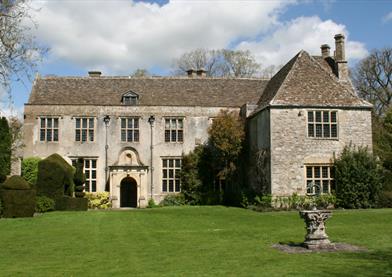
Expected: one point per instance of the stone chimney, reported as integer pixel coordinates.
(340, 58)
(191, 73)
(94, 73)
(201, 72)
(325, 53)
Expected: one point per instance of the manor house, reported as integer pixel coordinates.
(132, 131)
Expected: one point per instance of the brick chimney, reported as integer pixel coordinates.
(94, 73)
(340, 58)
(191, 73)
(325, 51)
(201, 72)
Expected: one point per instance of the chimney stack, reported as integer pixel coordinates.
(94, 73)
(191, 73)
(340, 58)
(201, 72)
(325, 53)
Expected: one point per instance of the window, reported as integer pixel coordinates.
(322, 124)
(84, 129)
(174, 130)
(319, 179)
(90, 171)
(171, 169)
(130, 129)
(130, 98)
(49, 129)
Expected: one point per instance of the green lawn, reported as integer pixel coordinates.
(189, 241)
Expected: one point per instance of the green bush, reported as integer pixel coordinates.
(17, 198)
(100, 200)
(30, 169)
(67, 203)
(44, 204)
(358, 178)
(151, 204)
(79, 179)
(55, 178)
(386, 199)
(173, 200)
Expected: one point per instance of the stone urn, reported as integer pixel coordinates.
(316, 237)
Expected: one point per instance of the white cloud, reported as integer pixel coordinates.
(307, 33)
(120, 36)
(387, 17)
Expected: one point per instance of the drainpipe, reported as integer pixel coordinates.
(151, 120)
(106, 120)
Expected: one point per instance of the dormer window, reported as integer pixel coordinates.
(130, 98)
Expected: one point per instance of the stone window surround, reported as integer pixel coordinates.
(53, 128)
(316, 174)
(88, 128)
(179, 131)
(168, 175)
(327, 123)
(133, 129)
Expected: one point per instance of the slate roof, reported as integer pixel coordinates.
(152, 91)
(303, 81)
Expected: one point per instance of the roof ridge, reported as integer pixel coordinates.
(49, 77)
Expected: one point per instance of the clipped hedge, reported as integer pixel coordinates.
(44, 204)
(17, 198)
(30, 169)
(55, 178)
(67, 203)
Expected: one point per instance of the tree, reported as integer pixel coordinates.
(19, 53)
(16, 132)
(219, 63)
(373, 79)
(141, 72)
(5, 148)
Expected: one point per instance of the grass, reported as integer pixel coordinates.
(189, 241)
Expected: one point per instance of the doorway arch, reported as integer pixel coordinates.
(128, 193)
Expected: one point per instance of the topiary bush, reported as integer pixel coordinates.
(44, 204)
(17, 198)
(79, 179)
(55, 178)
(100, 200)
(30, 169)
(67, 203)
(5, 148)
(358, 178)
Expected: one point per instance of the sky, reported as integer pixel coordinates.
(119, 36)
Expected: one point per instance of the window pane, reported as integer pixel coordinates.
(91, 123)
(87, 187)
(130, 123)
(319, 130)
(136, 135)
(93, 163)
(325, 186)
(333, 116)
(93, 174)
(129, 135)
(87, 163)
(180, 136)
(91, 135)
(164, 173)
(42, 135)
(178, 163)
(56, 123)
(309, 187)
(77, 122)
(325, 172)
(84, 122)
(173, 124)
(48, 135)
(136, 123)
(164, 185)
(123, 122)
(123, 135)
(177, 188)
(171, 187)
(93, 186)
(334, 131)
(317, 172)
(317, 186)
(311, 130)
(55, 135)
(310, 117)
(171, 163)
(327, 132)
(309, 172)
(325, 116)
(318, 116)
(164, 163)
(167, 123)
(48, 123)
(84, 135)
(167, 135)
(173, 135)
(87, 174)
(77, 135)
(180, 124)
(42, 122)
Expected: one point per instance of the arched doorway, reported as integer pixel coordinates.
(128, 193)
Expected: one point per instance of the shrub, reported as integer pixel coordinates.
(151, 204)
(100, 200)
(55, 177)
(173, 200)
(79, 179)
(30, 169)
(358, 178)
(44, 204)
(67, 203)
(17, 197)
(386, 199)
(5, 147)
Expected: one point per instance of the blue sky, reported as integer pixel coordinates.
(118, 37)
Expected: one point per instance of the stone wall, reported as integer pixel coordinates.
(292, 149)
(196, 123)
